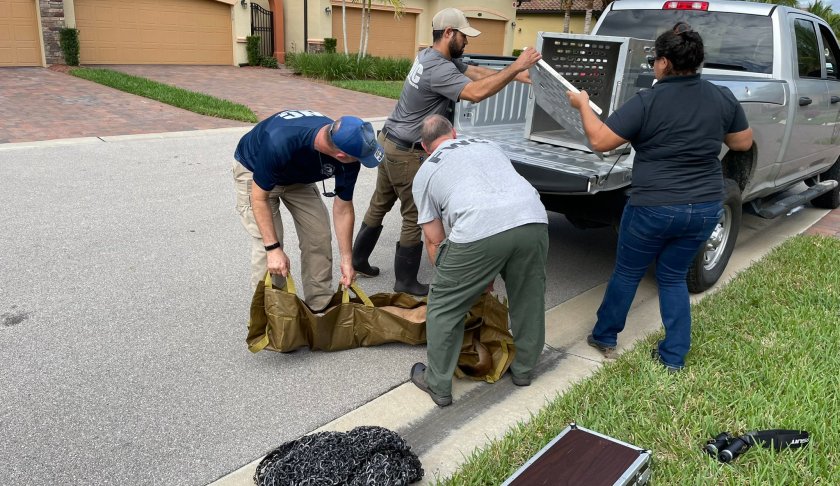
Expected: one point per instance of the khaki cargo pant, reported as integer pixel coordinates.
(462, 274)
(393, 181)
(312, 223)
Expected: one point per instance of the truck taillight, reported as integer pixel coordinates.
(686, 6)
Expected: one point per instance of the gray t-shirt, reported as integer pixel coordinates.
(471, 186)
(432, 82)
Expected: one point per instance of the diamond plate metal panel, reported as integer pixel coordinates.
(550, 89)
(611, 69)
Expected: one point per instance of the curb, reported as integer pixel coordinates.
(444, 438)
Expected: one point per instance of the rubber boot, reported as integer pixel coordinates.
(406, 265)
(363, 246)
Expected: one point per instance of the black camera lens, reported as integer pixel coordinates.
(735, 448)
(714, 446)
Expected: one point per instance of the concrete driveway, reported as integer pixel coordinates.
(40, 104)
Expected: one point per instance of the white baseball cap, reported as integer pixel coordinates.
(454, 18)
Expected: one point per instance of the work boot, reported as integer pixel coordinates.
(363, 246)
(406, 265)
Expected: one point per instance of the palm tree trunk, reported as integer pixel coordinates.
(567, 16)
(367, 27)
(344, 24)
(362, 32)
(587, 21)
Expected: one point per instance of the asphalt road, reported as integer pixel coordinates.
(123, 310)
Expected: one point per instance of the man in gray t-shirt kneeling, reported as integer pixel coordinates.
(497, 225)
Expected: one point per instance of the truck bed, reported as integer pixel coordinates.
(552, 169)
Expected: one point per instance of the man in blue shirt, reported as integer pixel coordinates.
(281, 159)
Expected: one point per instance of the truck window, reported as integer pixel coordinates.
(807, 49)
(738, 42)
(832, 53)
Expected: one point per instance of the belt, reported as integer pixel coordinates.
(402, 144)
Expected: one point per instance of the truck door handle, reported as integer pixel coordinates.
(835, 99)
(805, 101)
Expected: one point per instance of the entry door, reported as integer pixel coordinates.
(814, 114)
(832, 78)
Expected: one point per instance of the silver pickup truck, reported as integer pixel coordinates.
(782, 65)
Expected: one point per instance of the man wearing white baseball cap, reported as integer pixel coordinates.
(437, 79)
(454, 18)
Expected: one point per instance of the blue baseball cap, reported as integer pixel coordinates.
(355, 137)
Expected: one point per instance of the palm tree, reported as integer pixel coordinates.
(786, 3)
(344, 24)
(825, 11)
(820, 9)
(399, 8)
(363, 31)
(587, 20)
(567, 16)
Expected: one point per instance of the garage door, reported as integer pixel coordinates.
(20, 43)
(388, 37)
(154, 32)
(492, 38)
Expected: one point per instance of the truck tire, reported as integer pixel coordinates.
(712, 258)
(831, 199)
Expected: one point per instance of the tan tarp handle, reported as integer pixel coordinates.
(290, 283)
(290, 288)
(345, 295)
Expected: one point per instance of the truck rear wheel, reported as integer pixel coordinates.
(712, 258)
(831, 199)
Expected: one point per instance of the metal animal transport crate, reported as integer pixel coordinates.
(579, 456)
(611, 70)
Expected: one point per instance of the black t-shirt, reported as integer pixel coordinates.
(280, 151)
(677, 129)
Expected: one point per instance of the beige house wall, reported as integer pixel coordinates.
(320, 22)
(527, 26)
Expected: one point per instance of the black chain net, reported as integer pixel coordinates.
(364, 456)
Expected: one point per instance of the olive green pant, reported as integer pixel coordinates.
(312, 222)
(393, 181)
(463, 272)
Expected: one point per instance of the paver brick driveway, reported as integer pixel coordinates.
(40, 104)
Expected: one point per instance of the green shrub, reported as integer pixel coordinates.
(516, 52)
(69, 41)
(391, 69)
(252, 46)
(269, 62)
(329, 45)
(337, 66)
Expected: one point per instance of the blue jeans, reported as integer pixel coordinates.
(671, 235)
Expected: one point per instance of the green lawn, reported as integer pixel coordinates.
(189, 100)
(388, 89)
(766, 354)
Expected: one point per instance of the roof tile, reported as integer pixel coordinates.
(557, 6)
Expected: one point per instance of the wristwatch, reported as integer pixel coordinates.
(272, 246)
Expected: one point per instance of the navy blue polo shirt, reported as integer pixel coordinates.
(280, 151)
(677, 128)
